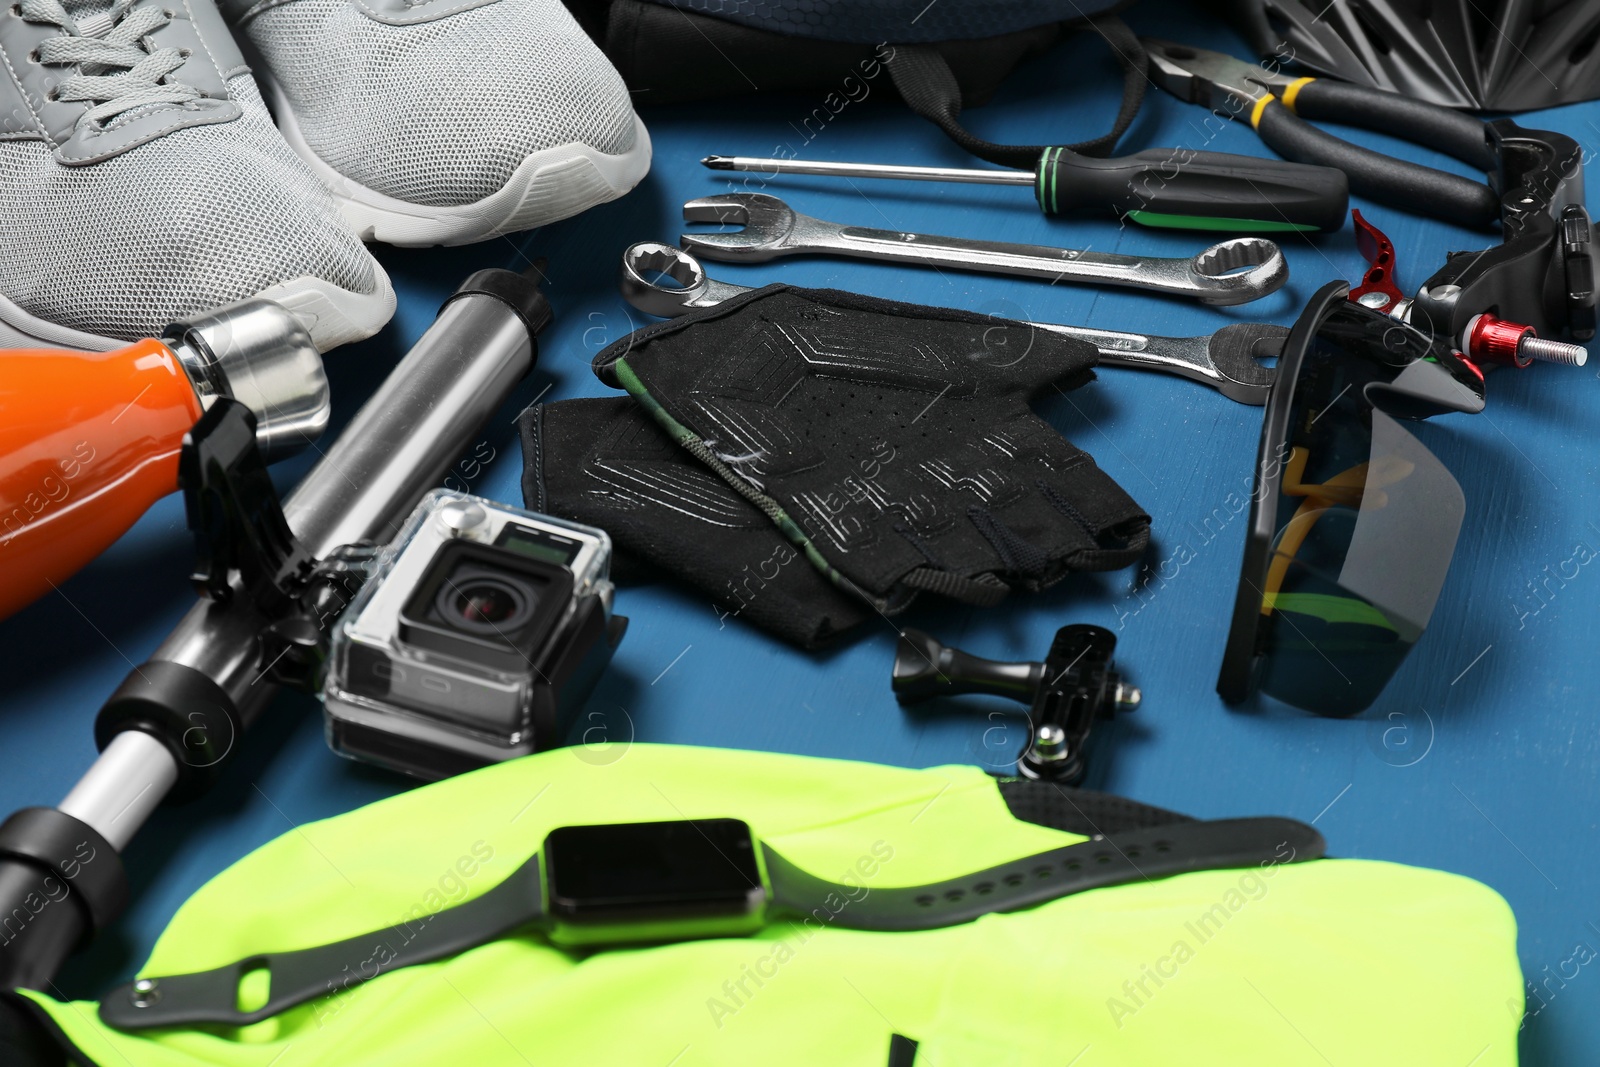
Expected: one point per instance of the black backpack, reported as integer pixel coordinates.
(941, 55)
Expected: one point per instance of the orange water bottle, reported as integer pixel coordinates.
(89, 440)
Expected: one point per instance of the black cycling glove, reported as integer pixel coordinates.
(892, 444)
(606, 463)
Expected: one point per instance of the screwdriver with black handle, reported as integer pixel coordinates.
(1170, 187)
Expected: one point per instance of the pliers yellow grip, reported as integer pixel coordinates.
(1278, 105)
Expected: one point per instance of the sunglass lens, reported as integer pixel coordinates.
(1356, 566)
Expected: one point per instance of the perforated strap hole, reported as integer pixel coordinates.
(983, 889)
(1014, 880)
(1043, 871)
(925, 900)
(254, 987)
(955, 896)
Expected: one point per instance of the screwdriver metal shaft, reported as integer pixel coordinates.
(871, 170)
(1175, 187)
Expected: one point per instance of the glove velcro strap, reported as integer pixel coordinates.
(984, 591)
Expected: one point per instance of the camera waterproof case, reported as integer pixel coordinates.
(477, 637)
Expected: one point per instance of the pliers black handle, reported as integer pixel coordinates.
(1279, 106)
(1412, 187)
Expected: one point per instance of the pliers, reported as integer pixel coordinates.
(1277, 105)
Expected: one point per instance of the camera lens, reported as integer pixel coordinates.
(482, 602)
(477, 600)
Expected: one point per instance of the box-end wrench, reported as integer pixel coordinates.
(1235, 271)
(1229, 360)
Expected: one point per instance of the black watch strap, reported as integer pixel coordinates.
(299, 976)
(302, 975)
(1093, 864)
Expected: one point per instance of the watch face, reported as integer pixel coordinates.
(655, 871)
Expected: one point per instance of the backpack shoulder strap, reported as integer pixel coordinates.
(924, 78)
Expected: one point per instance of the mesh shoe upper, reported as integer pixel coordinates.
(441, 112)
(196, 218)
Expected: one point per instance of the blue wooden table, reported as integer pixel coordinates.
(1480, 757)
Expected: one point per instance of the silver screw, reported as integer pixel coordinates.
(1127, 697)
(146, 991)
(1050, 742)
(1373, 299)
(1548, 351)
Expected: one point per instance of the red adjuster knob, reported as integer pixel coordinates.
(1511, 344)
(1488, 339)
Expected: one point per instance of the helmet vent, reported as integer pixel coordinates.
(1584, 45)
(1479, 55)
(1374, 36)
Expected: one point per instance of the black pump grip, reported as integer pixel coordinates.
(60, 882)
(184, 710)
(519, 292)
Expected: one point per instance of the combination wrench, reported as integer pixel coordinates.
(1234, 271)
(1229, 360)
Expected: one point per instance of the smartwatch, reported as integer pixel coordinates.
(653, 882)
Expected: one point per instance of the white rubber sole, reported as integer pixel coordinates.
(332, 316)
(552, 184)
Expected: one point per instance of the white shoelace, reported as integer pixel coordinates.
(117, 71)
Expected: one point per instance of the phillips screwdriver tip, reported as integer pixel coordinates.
(717, 162)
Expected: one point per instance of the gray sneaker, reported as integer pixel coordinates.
(446, 121)
(142, 181)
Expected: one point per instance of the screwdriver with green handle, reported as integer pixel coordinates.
(1172, 187)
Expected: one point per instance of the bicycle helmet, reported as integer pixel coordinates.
(1484, 55)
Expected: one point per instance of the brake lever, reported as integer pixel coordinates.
(1485, 339)
(1377, 289)
(1542, 274)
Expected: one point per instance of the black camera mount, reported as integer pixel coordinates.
(1075, 686)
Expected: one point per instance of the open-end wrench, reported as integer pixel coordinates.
(1235, 271)
(1229, 360)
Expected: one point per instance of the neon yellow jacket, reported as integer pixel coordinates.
(1343, 962)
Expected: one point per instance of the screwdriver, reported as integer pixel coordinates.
(1171, 187)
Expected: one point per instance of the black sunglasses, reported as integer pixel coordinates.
(1353, 521)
